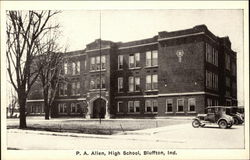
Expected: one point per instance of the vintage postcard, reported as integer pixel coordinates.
(124, 80)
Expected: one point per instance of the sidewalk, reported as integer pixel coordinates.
(139, 135)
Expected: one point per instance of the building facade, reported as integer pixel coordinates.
(173, 73)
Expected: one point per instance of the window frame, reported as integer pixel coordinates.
(189, 105)
(178, 105)
(120, 62)
(169, 100)
(120, 90)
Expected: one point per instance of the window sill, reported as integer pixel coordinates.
(93, 71)
(169, 112)
(133, 113)
(61, 96)
(134, 68)
(150, 112)
(151, 90)
(180, 112)
(191, 112)
(92, 90)
(133, 91)
(151, 67)
(62, 113)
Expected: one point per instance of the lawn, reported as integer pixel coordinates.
(94, 126)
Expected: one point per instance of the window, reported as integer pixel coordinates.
(65, 67)
(98, 63)
(103, 84)
(73, 88)
(148, 59)
(119, 107)
(77, 88)
(152, 82)
(76, 68)
(134, 106)
(148, 82)
(62, 108)
(148, 106)
(151, 106)
(120, 84)
(228, 82)
(180, 105)
(120, 62)
(155, 82)
(92, 84)
(131, 84)
(137, 59)
(137, 84)
(169, 105)
(63, 89)
(92, 63)
(97, 83)
(233, 69)
(131, 61)
(155, 106)
(134, 60)
(131, 106)
(103, 61)
(211, 80)
(191, 104)
(227, 61)
(151, 58)
(215, 57)
(73, 108)
(42, 108)
(73, 68)
(209, 102)
(211, 54)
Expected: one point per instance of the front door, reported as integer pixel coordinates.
(99, 108)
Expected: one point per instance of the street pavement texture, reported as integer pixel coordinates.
(176, 136)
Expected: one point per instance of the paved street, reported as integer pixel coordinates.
(176, 136)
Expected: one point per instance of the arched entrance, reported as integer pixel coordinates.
(99, 108)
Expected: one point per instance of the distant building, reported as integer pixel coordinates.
(173, 73)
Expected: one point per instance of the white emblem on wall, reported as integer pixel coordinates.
(179, 54)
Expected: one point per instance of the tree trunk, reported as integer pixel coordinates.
(22, 116)
(47, 111)
(46, 105)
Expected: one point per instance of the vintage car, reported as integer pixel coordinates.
(214, 115)
(233, 111)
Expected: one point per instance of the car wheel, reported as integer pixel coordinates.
(195, 123)
(236, 121)
(223, 124)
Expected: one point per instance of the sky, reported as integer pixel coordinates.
(81, 27)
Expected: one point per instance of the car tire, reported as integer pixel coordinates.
(223, 124)
(236, 121)
(195, 123)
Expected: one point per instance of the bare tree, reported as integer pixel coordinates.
(25, 30)
(51, 63)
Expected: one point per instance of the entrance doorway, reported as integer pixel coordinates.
(99, 108)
